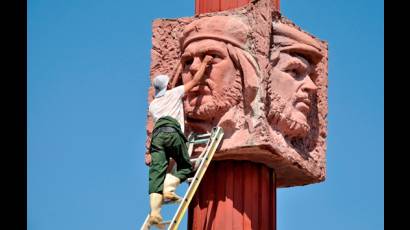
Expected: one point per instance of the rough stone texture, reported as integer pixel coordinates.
(283, 123)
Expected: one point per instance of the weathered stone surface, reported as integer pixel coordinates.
(267, 87)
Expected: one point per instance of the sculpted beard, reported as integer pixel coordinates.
(280, 115)
(218, 103)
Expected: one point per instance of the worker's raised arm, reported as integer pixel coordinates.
(198, 75)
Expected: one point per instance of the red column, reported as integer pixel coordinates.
(207, 6)
(238, 195)
(233, 195)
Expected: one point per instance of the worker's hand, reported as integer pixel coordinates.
(148, 158)
(207, 59)
(200, 74)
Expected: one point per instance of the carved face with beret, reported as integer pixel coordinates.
(231, 82)
(291, 85)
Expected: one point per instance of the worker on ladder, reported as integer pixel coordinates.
(168, 140)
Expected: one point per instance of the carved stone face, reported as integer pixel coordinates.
(221, 88)
(291, 93)
(267, 87)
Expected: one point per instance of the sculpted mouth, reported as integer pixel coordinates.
(303, 104)
(305, 100)
(199, 94)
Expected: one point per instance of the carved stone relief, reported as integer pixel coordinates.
(267, 86)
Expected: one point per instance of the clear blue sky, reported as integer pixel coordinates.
(88, 67)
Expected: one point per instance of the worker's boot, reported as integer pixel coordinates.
(170, 186)
(155, 200)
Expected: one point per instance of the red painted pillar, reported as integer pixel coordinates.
(233, 195)
(207, 6)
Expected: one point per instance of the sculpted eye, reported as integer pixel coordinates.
(187, 61)
(294, 72)
(216, 58)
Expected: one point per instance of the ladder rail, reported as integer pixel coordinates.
(201, 156)
(192, 141)
(145, 225)
(212, 143)
(216, 139)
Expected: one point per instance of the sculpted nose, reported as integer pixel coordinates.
(195, 64)
(308, 85)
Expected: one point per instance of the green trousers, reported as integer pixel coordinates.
(163, 146)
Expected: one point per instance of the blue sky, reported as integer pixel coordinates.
(88, 68)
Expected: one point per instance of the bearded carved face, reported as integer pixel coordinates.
(266, 87)
(221, 88)
(290, 93)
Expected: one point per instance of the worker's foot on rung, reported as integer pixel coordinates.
(167, 222)
(166, 202)
(171, 197)
(159, 226)
(156, 221)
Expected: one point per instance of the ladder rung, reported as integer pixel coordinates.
(206, 135)
(166, 222)
(189, 180)
(196, 159)
(212, 141)
(161, 225)
(209, 151)
(171, 202)
(200, 141)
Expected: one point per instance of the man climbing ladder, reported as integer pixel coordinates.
(168, 140)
